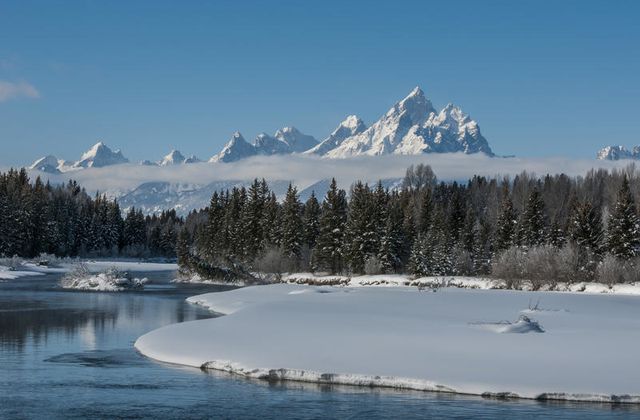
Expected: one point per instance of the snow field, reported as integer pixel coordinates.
(455, 340)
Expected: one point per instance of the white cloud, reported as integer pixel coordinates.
(11, 90)
(305, 170)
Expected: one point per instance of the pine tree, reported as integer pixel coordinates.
(533, 226)
(506, 223)
(623, 229)
(291, 230)
(252, 226)
(311, 220)
(585, 227)
(390, 254)
(360, 233)
(329, 249)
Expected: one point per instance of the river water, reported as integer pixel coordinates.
(69, 354)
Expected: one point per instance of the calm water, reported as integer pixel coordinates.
(70, 354)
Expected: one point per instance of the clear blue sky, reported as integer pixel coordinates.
(542, 78)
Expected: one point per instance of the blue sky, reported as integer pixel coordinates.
(541, 78)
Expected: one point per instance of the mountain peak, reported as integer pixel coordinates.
(173, 158)
(295, 141)
(618, 152)
(49, 164)
(100, 155)
(237, 148)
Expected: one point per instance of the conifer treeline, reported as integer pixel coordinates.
(64, 220)
(425, 227)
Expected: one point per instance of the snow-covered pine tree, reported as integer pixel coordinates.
(623, 235)
(291, 227)
(361, 229)
(585, 227)
(328, 254)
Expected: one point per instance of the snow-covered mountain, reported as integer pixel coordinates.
(296, 141)
(237, 148)
(100, 155)
(618, 153)
(351, 126)
(413, 126)
(176, 158)
(49, 164)
(287, 140)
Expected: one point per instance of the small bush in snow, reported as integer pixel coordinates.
(372, 266)
(613, 270)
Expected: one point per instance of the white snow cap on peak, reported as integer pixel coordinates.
(49, 164)
(414, 105)
(100, 155)
(618, 153)
(237, 148)
(352, 121)
(173, 158)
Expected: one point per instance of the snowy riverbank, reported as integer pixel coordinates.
(462, 282)
(15, 268)
(454, 340)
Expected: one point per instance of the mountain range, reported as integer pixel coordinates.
(412, 126)
(618, 153)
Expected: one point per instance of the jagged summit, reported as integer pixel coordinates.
(296, 141)
(174, 157)
(49, 164)
(237, 148)
(413, 126)
(351, 126)
(618, 153)
(100, 155)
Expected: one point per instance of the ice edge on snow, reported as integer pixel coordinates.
(399, 383)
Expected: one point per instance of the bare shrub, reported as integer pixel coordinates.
(372, 266)
(272, 260)
(613, 270)
(463, 262)
(509, 266)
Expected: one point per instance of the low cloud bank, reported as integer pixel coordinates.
(306, 170)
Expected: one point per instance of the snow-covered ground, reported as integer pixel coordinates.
(24, 268)
(399, 280)
(545, 345)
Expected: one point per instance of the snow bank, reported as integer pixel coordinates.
(405, 338)
(462, 282)
(23, 268)
(111, 280)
